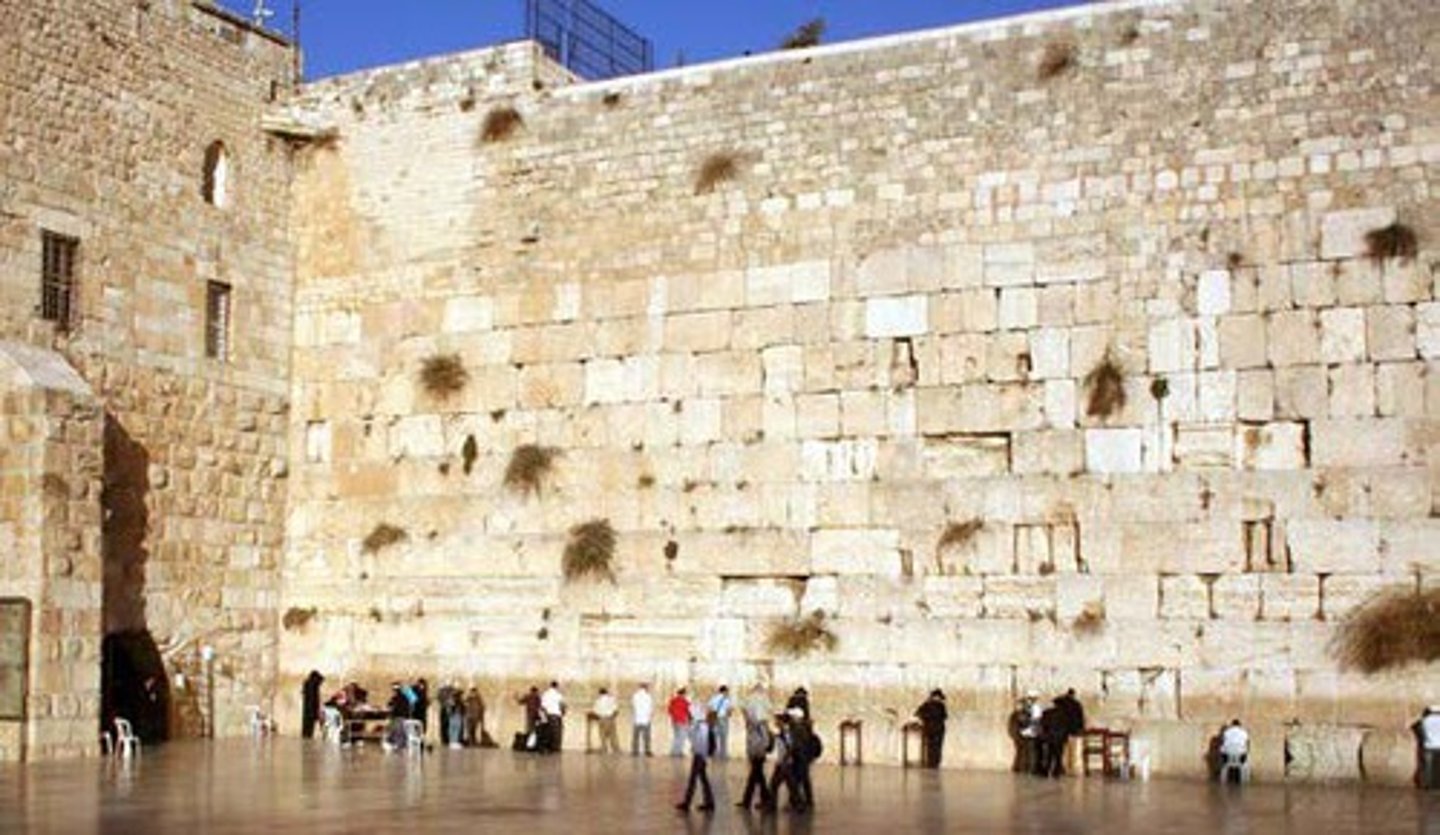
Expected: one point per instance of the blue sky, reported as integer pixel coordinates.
(344, 35)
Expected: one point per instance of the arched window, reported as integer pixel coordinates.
(215, 187)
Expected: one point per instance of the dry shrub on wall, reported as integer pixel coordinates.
(500, 124)
(296, 618)
(958, 534)
(443, 375)
(1395, 627)
(1091, 620)
(383, 536)
(590, 551)
(719, 167)
(798, 637)
(1057, 59)
(1106, 387)
(530, 465)
(805, 35)
(1394, 241)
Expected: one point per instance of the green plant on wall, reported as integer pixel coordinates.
(590, 551)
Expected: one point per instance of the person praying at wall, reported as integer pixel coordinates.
(932, 716)
(800, 699)
(474, 717)
(534, 718)
(552, 705)
(604, 710)
(1427, 736)
(642, 713)
(722, 705)
(678, 710)
(310, 704)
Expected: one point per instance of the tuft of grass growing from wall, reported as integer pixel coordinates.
(296, 618)
(443, 375)
(383, 535)
(1394, 241)
(1105, 385)
(719, 167)
(590, 551)
(806, 35)
(1091, 620)
(1394, 628)
(1057, 59)
(530, 466)
(958, 534)
(799, 637)
(501, 123)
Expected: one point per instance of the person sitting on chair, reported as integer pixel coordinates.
(1234, 747)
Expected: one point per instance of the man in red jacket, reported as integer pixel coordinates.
(679, 710)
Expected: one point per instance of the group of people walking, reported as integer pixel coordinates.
(791, 741)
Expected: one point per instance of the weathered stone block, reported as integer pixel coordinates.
(895, 317)
(1350, 546)
(1342, 233)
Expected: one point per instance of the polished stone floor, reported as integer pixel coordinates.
(287, 786)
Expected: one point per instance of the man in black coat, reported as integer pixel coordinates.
(932, 716)
(310, 704)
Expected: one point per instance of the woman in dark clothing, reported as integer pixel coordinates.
(800, 699)
(310, 704)
(932, 716)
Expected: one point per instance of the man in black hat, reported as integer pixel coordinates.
(932, 716)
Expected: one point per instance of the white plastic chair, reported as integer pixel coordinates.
(258, 722)
(127, 744)
(1235, 763)
(334, 725)
(414, 736)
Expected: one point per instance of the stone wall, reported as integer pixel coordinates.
(107, 108)
(900, 307)
(51, 425)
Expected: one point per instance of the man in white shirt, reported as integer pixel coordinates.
(605, 710)
(642, 710)
(1427, 731)
(1235, 742)
(721, 705)
(552, 705)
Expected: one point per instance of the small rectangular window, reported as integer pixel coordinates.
(57, 278)
(217, 320)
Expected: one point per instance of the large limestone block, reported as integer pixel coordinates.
(1184, 597)
(1380, 442)
(1348, 546)
(1294, 338)
(1110, 451)
(1277, 445)
(848, 460)
(856, 551)
(1389, 757)
(1342, 335)
(965, 456)
(1287, 597)
(951, 597)
(1427, 332)
(1324, 752)
(988, 408)
(1342, 233)
(890, 317)
(469, 314)
(805, 281)
(1028, 597)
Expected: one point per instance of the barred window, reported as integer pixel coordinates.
(217, 320)
(57, 278)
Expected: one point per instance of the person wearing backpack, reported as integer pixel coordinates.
(807, 749)
(758, 742)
